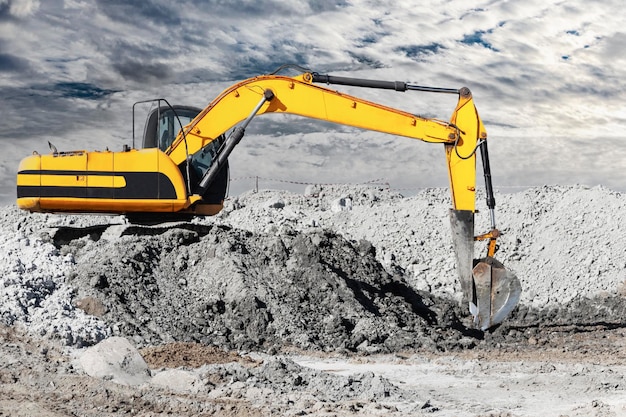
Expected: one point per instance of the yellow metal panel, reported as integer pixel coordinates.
(100, 170)
(55, 180)
(110, 205)
(167, 167)
(461, 157)
(151, 160)
(28, 203)
(115, 181)
(30, 163)
(144, 160)
(297, 96)
(73, 162)
(28, 179)
(100, 162)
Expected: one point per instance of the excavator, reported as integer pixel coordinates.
(184, 171)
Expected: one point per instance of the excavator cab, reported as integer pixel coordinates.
(163, 124)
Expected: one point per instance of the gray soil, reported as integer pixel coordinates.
(341, 301)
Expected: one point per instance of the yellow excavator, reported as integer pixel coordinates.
(186, 174)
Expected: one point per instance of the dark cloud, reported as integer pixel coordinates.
(365, 60)
(288, 124)
(371, 38)
(247, 8)
(169, 15)
(81, 90)
(143, 72)
(139, 12)
(283, 52)
(318, 6)
(143, 62)
(43, 109)
(246, 68)
(247, 60)
(420, 51)
(5, 11)
(142, 50)
(12, 63)
(263, 8)
(366, 40)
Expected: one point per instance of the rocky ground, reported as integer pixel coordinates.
(340, 301)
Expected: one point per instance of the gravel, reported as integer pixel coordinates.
(347, 272)
(352, 268)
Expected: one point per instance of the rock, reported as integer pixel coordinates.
(177, 380)
(117, 360)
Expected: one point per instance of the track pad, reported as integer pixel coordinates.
(497, 292)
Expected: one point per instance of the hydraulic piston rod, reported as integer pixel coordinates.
(232, 141)
(386, 85)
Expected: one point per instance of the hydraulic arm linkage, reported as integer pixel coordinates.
(490, 290)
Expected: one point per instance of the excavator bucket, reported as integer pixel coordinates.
(491, 291)
(497, 293)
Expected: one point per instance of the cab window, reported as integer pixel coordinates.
(169, 127)
(202, 160)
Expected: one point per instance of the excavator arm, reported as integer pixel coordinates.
(490, 290)
(300, 96)
(182, 175)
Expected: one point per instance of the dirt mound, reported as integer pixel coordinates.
(354, 268)
(242, 290)
(187, 354)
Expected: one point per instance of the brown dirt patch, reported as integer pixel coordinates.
(192, 355)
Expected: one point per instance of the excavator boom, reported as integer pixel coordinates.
(187, 175)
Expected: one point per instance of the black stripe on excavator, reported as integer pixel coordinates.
(139, 185)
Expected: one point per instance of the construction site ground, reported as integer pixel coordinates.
(336, 302)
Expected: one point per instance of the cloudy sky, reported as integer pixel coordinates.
(547, 77)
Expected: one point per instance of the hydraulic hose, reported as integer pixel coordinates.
(491, 200)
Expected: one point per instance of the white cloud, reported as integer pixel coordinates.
(545, 75)
(19, 8)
